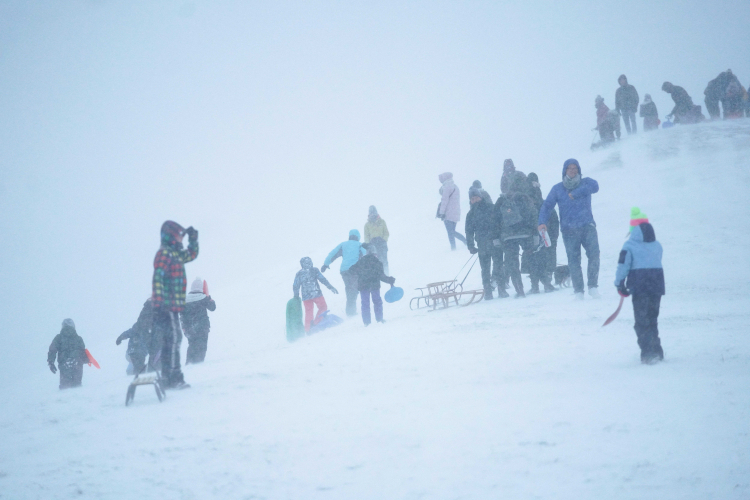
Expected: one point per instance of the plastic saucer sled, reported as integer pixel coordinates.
(394, 294)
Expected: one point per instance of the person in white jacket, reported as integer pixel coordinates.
(449, 209)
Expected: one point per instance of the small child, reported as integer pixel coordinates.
(369, 272)
(307, 279)
(139, 339)
(70, 351)
(640, 263)
(195, 321)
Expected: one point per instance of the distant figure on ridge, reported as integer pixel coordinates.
(649, 114)
(684, 110)
(195, 321)
(70, 352)
(545, 259)
(604, 123)
(369, 273)
(626, 103)
(716, 92)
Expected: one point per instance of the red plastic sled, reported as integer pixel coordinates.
(205, 287)
(92, 361)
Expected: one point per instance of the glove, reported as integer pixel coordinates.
(496, 243)
(296, 296)
(52, 368)
(192, 233)
(393, 281)
(335, 292)
(473, 250)
(118, 341)
(441, 216)
(323, 269)
(622, 290)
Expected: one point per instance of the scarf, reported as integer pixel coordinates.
(571, 184)
(373, 217)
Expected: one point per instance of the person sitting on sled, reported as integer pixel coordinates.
(369, 272)
(195, 321)
(640, 264)
(139, 339)
(307, 280)
(70, 351)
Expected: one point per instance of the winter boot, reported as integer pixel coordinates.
(594, 293)
(488, 293)
(502, 294)
(534, 286)
(518, 285)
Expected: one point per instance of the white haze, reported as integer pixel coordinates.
(271, 127)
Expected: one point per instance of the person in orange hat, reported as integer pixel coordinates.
(195, 320)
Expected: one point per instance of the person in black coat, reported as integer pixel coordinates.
(195, 322)
(139, 339)
(70, 351)
(482, 226)
(544, 261)
(716, 92)
(649, 114)
(626, 103)
(684, 110)
(369, 272)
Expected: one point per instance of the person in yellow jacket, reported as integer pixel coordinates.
(376, 233)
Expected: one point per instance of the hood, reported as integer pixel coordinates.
(172, 233)
(647, 99)
(643, 233)
(508, 166)
(306, 263)
(196, 285)
(622, 77)
(568, 162)
(354, 233)
(372, 210)
(445, 176)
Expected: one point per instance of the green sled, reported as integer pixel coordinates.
(294, 328)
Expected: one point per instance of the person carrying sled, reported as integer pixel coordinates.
(640, 274)
(573, 196)
(684, 110)
(515, 214)
(604, 122)
(449, 209)
(369, 273)
(168, 297)
(350, 252)
(307, 280)
(376, 233)
(195, 321)
(649, 114)
(626, 103)
(139, 339)
(481, 224)
(544, 260)
(70, 351)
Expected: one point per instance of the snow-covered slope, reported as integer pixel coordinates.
(505, 399)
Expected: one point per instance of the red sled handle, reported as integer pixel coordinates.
(92, 361)
(614, 314)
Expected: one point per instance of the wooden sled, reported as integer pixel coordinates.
(152, 379)
(442, 293)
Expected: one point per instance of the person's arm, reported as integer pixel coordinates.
(367, 232)
(386, 234)
(624, 263)
(52, 353)
(588, 186)
(547, 207)
(469, 230)
(191, 252)
(161, 266)
(637, 99)
(323, 280)
(335, 254)
(444, 202)
(124, 335)
(210, 304)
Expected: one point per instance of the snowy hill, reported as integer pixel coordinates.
(504, 399)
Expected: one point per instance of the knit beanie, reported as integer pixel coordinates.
(508, 165)
(197, 285)
(373, 210)
(637, 217)
(68, 322)
(474, 191)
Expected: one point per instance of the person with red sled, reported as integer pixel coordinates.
(71, 354)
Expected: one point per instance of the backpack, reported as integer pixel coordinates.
(511, 212)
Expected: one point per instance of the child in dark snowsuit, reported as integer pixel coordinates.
(482, 226)
(640, 263)
(369, 272)
(307, 279)
(139, 339)
(70, 351)
(195, 321)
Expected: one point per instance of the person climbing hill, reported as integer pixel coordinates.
(195, 321)
(449, 209)
(369, 273)
(70, 351)
(376, 233)
(306, 280)
(350, 252)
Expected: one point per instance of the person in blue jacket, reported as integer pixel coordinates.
(350, 252)
(640, 264)
(573, 196)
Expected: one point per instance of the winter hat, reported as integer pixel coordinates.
(171, 232)
(667, 87)
(508, 165)
(599, 100)
(354, 235)
(474, 191)
(532, 177)
(477, 184)
(372, 210)
(68, 322)
(197, 285)
(637, 217)
(622, 77)
(306, 263)
(647, 98)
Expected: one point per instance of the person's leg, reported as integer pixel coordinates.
(377, 303)
(451, 228)
(170, 355)
(66, 375)
(322, 308)
(512, 265)
(633, 122)
(485, 264)
(308, 313)
(138, 359)
(572, 242)
(642, 326)
(590, 242)
(626, 119)
(191, 350)
(365, 296)
(350, 287)
(201, 346)
(712, 106)
(384, 258)
(654, 302)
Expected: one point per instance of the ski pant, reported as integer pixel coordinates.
(377, 303)
(712, 106)
(646, 311)
(350, 287)
(167, 328)
(629, 118)
(450, 226)
(197, 345)
(71, 374)
(489, 253)
(381, 249)
(574, 239)
(511, 250)
(607, 132)
(138, 358)
(322, 307)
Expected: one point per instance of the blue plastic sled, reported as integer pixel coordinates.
(327, 321)
(667, 124)
(394, 294)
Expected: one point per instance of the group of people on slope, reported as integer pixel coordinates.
(725, 89)
(363, 267)
(157, 332)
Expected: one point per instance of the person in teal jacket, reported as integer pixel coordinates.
(350, 252)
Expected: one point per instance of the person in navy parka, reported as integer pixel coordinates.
(350, 252)
(640, 264)
(573, 196)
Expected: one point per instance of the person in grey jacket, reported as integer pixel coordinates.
(307, 280)
(70, 351)
(195, 322)
(626, 103)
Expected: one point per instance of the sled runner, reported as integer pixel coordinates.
(327, 320)
(444, 294)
